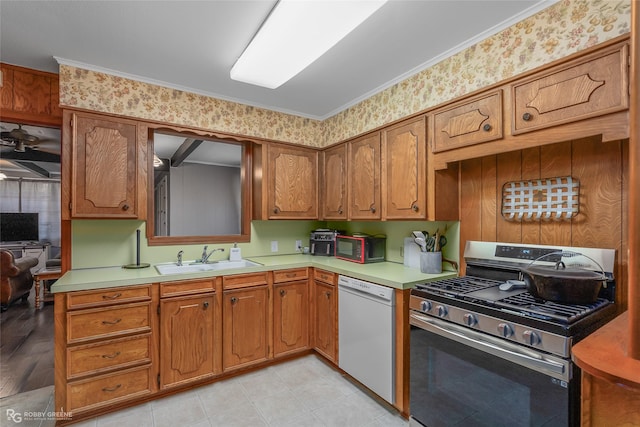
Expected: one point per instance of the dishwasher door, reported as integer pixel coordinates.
(366, 334)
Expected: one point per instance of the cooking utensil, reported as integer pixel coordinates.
(561, 284)
(422, 243)
(512, 284)
(434, 245)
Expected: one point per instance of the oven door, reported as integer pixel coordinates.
(460, 377)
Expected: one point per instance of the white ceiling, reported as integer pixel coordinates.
(192, 45)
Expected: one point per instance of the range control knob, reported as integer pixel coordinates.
(531, 337)
(442, 311)
(425, 306)
(505, 330)
(470, 319)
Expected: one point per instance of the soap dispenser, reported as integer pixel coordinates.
(234, 253)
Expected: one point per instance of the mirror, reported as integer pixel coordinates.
(199, 192)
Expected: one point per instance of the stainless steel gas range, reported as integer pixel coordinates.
(486, 355)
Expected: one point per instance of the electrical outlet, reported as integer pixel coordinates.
(274, 246)
(298, 247)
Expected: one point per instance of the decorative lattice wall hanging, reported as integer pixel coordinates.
(546, 199)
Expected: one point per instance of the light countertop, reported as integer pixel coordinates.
(394, 275)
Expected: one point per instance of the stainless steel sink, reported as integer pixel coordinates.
(195, 267)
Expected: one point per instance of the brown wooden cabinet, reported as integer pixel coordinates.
(592, 85)
(325, 314)
(107, 167)
(246, 325)
(29, 96)
(333, 183)
(104, 348)
(364, 177)
(468, 122)
(187, 339)
(292, 182)
(290, 311)
(404, 170)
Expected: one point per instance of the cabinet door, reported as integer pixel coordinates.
(334, 183)
(591, 86)
(186, 339)
(325, 319)
(290, 317)
(103, 167)
(293, 183)
(404, 171)
(245, 326)
(468, 123)
(364, 178)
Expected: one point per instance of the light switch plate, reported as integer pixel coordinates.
(274, 246)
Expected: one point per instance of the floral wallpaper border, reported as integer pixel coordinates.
(567, 27)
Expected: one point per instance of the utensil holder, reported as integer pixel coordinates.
(431, 262)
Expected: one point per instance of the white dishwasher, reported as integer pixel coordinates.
(366, 334)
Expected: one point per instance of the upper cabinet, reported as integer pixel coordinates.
(592, 85)
(288, 176)
(364, 177)
(404, 170)
(108, 169)
(29, 96)
(333, 183)
(468, 122)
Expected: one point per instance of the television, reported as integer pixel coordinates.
(19, 227)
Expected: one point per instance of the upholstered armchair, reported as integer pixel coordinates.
(16, 280)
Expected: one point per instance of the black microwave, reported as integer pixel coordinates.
(361, 249)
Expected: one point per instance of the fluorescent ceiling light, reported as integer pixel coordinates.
(296, 33)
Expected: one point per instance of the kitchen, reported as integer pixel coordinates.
(115, 238)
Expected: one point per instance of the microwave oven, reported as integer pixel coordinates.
(361, 249)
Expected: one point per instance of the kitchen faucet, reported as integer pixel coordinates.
(205, 255)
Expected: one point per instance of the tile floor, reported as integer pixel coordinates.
(301, 392)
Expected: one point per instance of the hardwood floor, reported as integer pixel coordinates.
(26, 347)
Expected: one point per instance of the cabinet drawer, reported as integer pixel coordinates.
(108, 322)
(324, 276)
(186, 288)
(590, 87)
(244, 280)
(85, 299)
(114, 354)
(472, 122)
(289, 275)
(109, 389)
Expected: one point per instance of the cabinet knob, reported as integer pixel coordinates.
(340, 211)
(373, 209)
(486, 127)
(327, 294)
(415, 208)
(527, 116)
(276, 210)
(282, 292)
(125, 207)
(205, 305)
(234, 300)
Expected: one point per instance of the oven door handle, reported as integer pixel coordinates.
(500, 348)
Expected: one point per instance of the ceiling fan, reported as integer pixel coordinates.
(19, 139)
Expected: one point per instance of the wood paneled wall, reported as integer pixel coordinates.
(602, 221)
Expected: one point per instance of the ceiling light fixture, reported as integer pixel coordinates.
(295, 34)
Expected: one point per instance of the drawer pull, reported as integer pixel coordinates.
(111, 356)
(114, 296)
(291, 274)
(111, 322)
(111, 389)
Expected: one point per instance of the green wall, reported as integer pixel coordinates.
(108, 243)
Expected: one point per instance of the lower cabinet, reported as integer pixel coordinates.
(186, 339)
(245, 326)
(290, 317)
(325, 315)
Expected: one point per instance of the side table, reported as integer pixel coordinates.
(39, 278)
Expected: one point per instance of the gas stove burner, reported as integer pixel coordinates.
(458, 286)
(565, 313)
